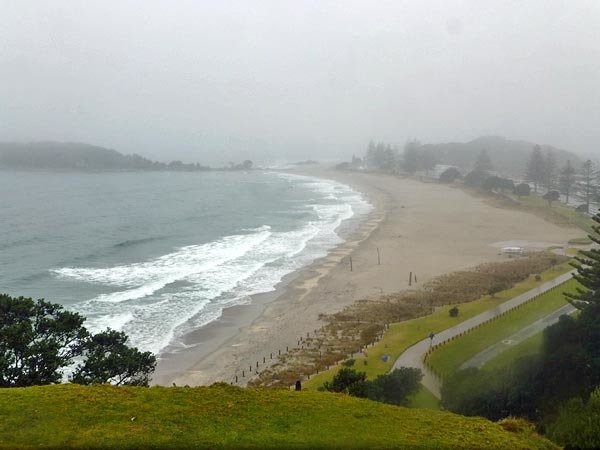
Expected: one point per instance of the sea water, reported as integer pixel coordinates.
(158, 255)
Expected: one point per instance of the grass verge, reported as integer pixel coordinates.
(450, 356)
(222, 416)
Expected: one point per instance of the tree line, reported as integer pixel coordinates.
(541, 171)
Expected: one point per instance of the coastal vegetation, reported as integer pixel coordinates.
(367, 322)
(223, 416)
(40, 343)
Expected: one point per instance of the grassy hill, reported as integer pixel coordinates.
(223, 416)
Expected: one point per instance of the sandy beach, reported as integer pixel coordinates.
(424, 228)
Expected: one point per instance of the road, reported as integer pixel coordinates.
(413, 356)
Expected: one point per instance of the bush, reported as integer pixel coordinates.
(348, 381)
(393, 388)
(522, 190)
(578, 423)
(454, 312)
(476, 178)
(551, 196)
(449, 175)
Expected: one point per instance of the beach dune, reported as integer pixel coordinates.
(424, 228)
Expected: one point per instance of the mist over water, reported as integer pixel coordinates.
(157, 254)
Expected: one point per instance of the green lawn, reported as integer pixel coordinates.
(449, 357)
(222, 417)
(402, 335)
(559, 212)
(529, 346)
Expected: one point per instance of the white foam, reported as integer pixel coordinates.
(214, 275)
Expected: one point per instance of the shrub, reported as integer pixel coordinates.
(522, 190)
(453, 312)
(449, 175)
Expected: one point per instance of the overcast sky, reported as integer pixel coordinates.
(217, 80)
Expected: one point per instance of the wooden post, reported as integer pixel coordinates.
(378, 257)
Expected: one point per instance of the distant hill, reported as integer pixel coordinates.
(223, 416)
(79, 157)
(508, 157)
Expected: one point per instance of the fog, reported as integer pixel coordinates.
(216, 80)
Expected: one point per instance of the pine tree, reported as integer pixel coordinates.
(588, 185)
(588, 273)
(411, 156)
(567, 178)
(536, 167)
(483, 162)
(549, 170)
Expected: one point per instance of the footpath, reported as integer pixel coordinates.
(414, 356)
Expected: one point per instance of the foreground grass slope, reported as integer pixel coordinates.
(222, 416)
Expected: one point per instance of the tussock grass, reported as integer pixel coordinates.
(223, 417)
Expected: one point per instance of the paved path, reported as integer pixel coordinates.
(491, 352)
(413, 356)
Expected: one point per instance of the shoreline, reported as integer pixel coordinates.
(206, 341)
(425, 228)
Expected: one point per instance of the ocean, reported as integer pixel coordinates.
(160, 254)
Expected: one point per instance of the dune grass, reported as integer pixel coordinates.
(222, 417)
(402, 335)
(449, 357)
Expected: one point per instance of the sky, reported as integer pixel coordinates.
(216, 81)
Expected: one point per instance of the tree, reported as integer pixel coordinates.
(39, 340)
(108, 359)
(449, 175)
(395, 387)
(348, 381)
(588, 186)
(578, 423)
(549, 170)
(427, 160)
(247, 164)
(536, 167)
(483, 162)
(476, 178)
(411, 156)
(587, 264)
(522, 190)
(567, 178)
(551, 196)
